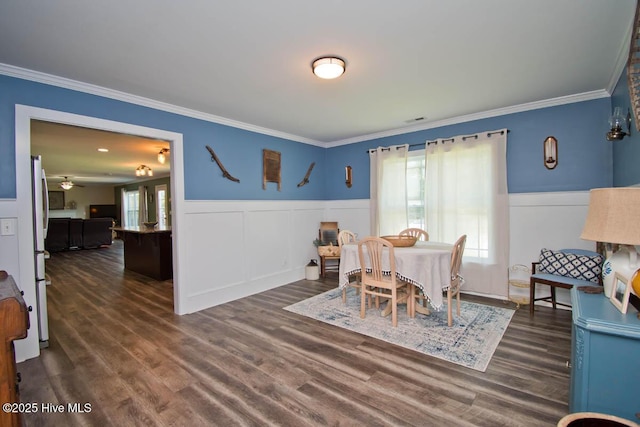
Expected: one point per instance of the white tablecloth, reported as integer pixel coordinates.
(426, 265)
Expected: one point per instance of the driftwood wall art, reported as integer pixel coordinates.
(305, 180)
(215, 158)
(271, 168)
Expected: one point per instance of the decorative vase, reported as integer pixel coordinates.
(619, 262)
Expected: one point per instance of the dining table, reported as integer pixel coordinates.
(426, 265)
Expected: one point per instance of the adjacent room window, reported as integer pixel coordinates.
(131, 208)
(162, 210)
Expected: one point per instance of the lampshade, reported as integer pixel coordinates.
(66, 185)
(328, 67)
(613, 216)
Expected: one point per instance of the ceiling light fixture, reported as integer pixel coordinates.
(328, 67)
(162, 155)
(144, 170)
(103, 150)
(66, 185)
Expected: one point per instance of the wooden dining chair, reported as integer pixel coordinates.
(453, 291)
(415, 232)
(376, 283)
(456, 279)
(344, 237)
(328, 234)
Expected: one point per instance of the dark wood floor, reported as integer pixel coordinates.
(117, 345)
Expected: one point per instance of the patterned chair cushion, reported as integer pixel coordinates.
(581, 267)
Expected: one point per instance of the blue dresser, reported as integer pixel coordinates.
(605, 357)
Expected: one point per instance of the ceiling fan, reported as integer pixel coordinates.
(67, 184)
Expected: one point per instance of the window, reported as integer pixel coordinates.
(161, 205)
(131, 208)
(452, 187)
(415, 190)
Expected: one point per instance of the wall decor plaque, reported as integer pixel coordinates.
(271, 168)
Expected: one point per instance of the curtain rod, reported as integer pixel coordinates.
(464, 138)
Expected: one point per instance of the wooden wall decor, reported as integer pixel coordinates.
(271, 168)
(305, 180)
(214, 158)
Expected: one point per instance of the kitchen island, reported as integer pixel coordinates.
(147, 250)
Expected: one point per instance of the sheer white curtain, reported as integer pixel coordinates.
(388, 186)
(466, 193)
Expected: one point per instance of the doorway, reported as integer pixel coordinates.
(24, 115)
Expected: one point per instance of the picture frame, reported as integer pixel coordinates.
(620, 292)
(56, 200)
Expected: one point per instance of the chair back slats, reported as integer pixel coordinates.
(416, 232)
(374, 252)
(346, 236)
(456, 260)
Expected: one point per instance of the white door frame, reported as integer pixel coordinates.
(24, 115)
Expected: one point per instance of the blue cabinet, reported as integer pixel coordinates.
(605, 357)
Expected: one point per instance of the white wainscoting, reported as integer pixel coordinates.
(10, 262)
(239, 248)
(546, 220)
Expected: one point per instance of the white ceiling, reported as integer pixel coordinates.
(71, 153)
(248, 63)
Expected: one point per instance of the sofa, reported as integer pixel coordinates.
(64, 234)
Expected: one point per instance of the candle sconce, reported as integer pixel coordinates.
(348, 176)
(550, 150)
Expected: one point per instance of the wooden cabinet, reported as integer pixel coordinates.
(148, 252)
(605, 349)
(14, 322)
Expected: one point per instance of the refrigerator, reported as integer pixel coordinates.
(40, 223)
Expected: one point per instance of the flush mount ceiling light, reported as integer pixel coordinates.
(328, 67)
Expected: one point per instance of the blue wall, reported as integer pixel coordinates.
(626, 152)
(585, 157)
(239, 150)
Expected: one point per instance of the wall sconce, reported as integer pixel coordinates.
(550, 149)
(162, 155)
(144, 170)
(348, 177)
(619, 123)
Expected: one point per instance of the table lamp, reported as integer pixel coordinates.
(614, 217)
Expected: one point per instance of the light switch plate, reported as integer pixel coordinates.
(7, 226)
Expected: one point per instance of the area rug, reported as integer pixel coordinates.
(470, 342)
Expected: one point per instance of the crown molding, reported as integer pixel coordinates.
(36, 76)
(39, 77)
(553, 102)
(621, 62)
